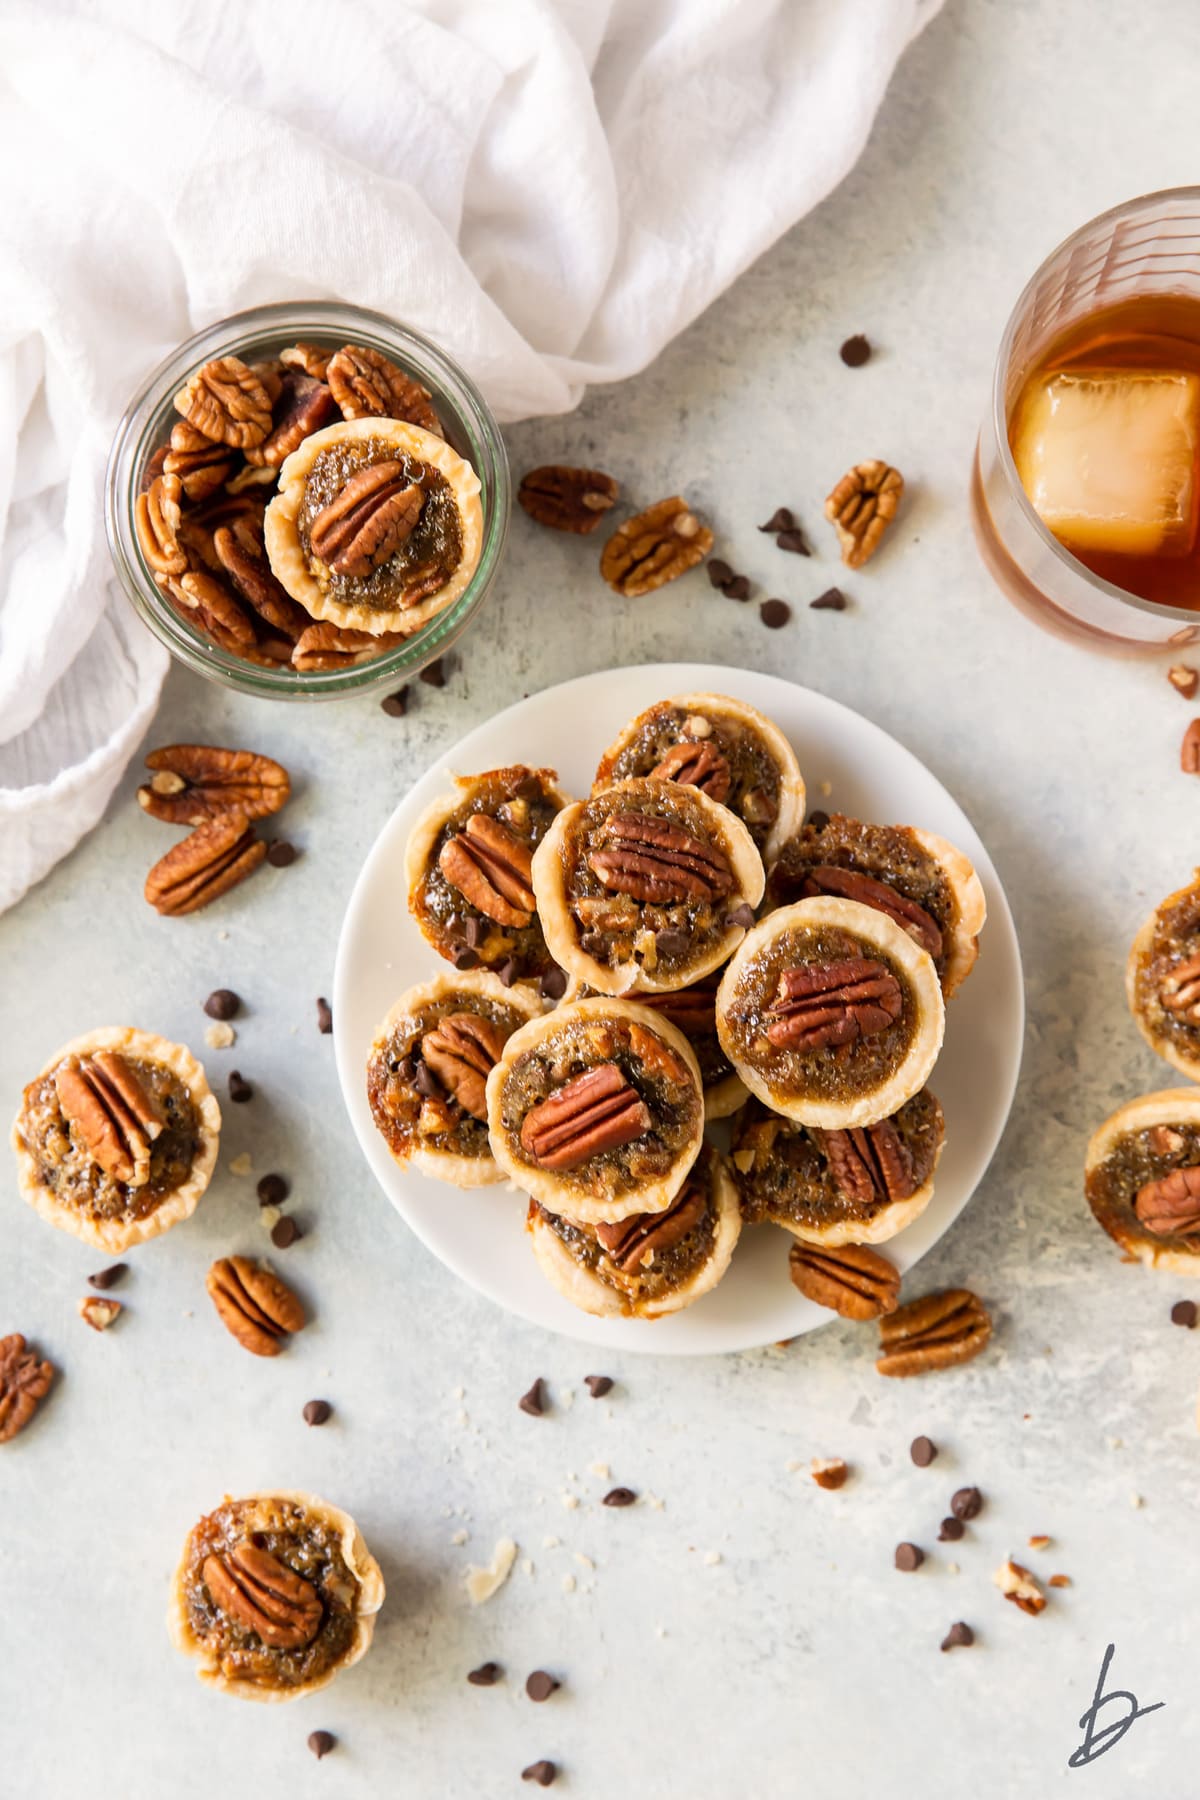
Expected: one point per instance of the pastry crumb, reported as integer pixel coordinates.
(712, 1558)
(460, 1537)
(219, 1035)
(568, 1584)
(241, 1165)
(601, 1469)
(550, 1543)
(570, 1501)
(584, 1562)
(482, 1583)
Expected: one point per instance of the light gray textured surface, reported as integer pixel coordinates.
(800, 1662)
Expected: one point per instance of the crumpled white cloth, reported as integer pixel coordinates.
(550, 188)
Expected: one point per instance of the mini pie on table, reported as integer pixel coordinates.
(596, 1110)
(377, 525)
(428, 1069)
(275, 1594)
(646, 886)
(117, 1137)
(831, 1013)
(732, 752)
(467, 866)
(653, 1263)
(919, 879)
(1142, 1179)
(1162, 980)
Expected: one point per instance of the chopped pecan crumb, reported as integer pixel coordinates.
(1018, 1585)
(829, 1471)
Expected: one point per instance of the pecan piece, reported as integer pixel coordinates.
(869, 1163)
(693, 1009)
(1179, 992)
(206, 598)
(239, 550)
(862, 506)
(849, 884)
(368, 385)
(156, 516)
(110, 1113)
(227, 402)
(195, 782)
(1018, 1585)
(313, 359)
(838, 1003)
(301, 407)
(264, 1595)
(462, 1050)
(598, 1110)
(653, 860)
(326, 646)
(1170, 1206)
(699, 764)
(852, 1280)
(367, 519)
(654, 547)
(633, 1244)
(200, 466)
(934, 1333)
(567, 499)
(256, 1307)
(99, 1313)
(24, 1380)
(206, 864)
(491, 868)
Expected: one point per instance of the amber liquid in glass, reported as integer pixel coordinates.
(1155, 333)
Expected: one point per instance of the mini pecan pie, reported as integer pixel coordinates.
(467, 866)
(376, 526)
(274, 1595)
(647, 886)
(859, 1186)
(428, 1069)
(117, 1137)
(694, 1011)
(727, 749)
(1162, 980)
(596, 1110)
(921, 880)
(653, 1263)
(1142, 1179)
(830, 1013)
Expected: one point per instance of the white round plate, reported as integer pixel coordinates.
(479, 1234)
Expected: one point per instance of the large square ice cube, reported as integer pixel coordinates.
(1108, 459)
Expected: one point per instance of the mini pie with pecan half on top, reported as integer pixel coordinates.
(117, 1137)
(596, 1110)
(651, 1264)
(377, 525)
(831, 1013)
(428, 1069)
(275, 1594)
(919, 879)
(1162, 980)
(646, 887)
(1142, 1179)
(859, 1186)
(467, 867)
(728, 750)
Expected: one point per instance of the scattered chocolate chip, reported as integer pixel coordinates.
(542, 1772)
(795, 541)
(222, 1003)
(434, 675)
(718, 572)
(958, 1636)
(598, 1385)
(951, 1530)
(1182, 1313)
(474, 931)
(427, 1083)
(284, 1233)
(818, 820)
(239, 1088)
(966, 1503)
(539, 1686)
(672, 943)
(909, 1557)
(736, 588)
(272, 1190)
(553, 984)
(774, 613)
(534, 1402)
(321, 1743)
(317, 1412)
(106, 1278)
(742, 915)
(923, 1451)
(832, 600)
(507, 973)
(855, 351)
(281, 854)
(463, 957)
(620, 1497)
(486, 1675)
(396, 705)
(780, 520)
(324, 1017)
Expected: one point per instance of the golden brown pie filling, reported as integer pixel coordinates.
(1166, 976)
(727, 760)
(694, 1010)
(426, 1081)
(1147, 1188)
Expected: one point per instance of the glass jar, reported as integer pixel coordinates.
(468, 427)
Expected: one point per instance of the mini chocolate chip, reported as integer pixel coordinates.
(909, 1557)
(435, 674)
(1184, 1313)
(396, 705)
(958, 1635)
(324, 1017)
(818, 820)
(542, 1772)
(672, 943)
(780, 520)
(774, 613)
(486, 1675)
(427, 1082)
(598, 1385)
(742, 915)
(534, 1402)
(539, 1686)
(272, 1190)
(463, 957)
(795, 541)
(592, 942)
(284, 1233)
(281, 854)
(855, 351)
(832, 600)
(923, 1451)
(718, 572)
(474, 931)
(620, 1497)
(106, 1278)
(406, 1068)
(951, 1530)
(553, 984)
(317, 1412)
(507, 973)
(736, 588)
(321, 1743)
(239, 1088)
(222, 1003)
(966, 1503)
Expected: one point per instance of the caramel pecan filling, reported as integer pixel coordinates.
(790, 1173)
(721, 756)
(426, 1084)
(651, 1254)
(1150, 1183)
(381, 528)
(1167, 980)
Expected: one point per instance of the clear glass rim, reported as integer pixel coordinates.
(469, 421)
(1126, 209)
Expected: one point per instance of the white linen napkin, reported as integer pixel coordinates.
(550, 188)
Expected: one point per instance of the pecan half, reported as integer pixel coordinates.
(633, 1244)
(313, 359)
(838, 1003)
(110, 1113)
(849, 884)
(206, 864)
(653, 860)
(870, 1163)
(462, 1050)
(25, 1379)
(200, 466)
(598, 1110)
(699, 764)
(215, 607)
(264, 1595)
(862, 506)
(239, 550)
(195, 782)
(491, 867)
(156, 516)
(227, 401)
(256, 1307)
(1018, 1585)
(366, 384)
(654, 547)
(303, 406)
(1170, 1206)
(693, 1009)
(852, 1280)
(367, 519)
(937, 1332)
(567, 499)
(326, 646)
(1179, 991)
